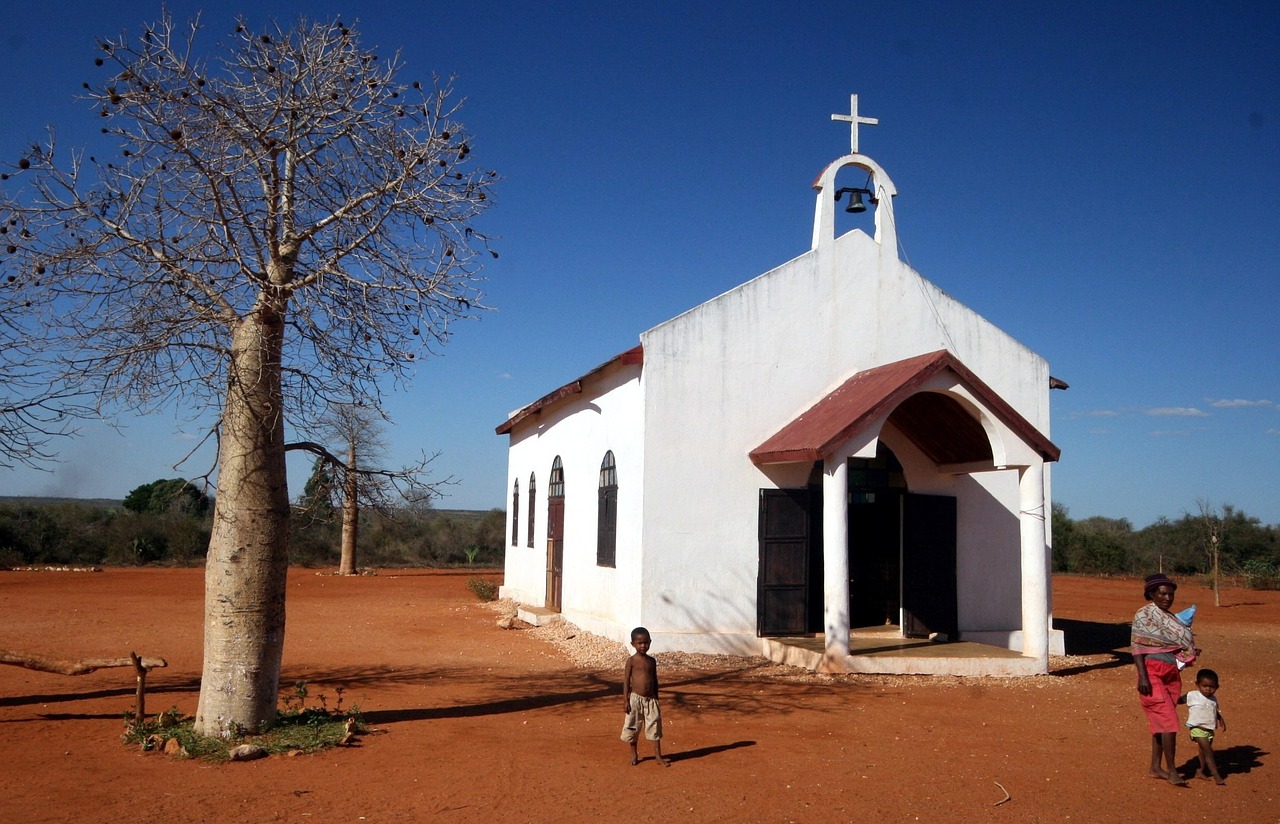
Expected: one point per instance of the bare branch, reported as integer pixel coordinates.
(296, 165)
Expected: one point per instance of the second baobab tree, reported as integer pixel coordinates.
(260, 231)
(354, 475)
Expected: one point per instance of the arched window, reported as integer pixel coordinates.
(515, 512)
(607, 520)
(533, 499)
(556, 488)
(555, 510)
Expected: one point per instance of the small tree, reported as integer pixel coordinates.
(162, 496)
(260, 233)
(1213, 526)
(316, 500)
(360, 478)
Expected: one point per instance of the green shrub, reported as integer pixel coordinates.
(296, 728)
(482, 589)
(1260, 574)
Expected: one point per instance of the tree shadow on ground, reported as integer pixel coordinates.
(718, 691)
(551, 697)
(359, 675)
(156, 687)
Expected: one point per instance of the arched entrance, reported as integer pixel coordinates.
(902, 551)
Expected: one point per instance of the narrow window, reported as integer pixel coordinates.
(555, 509)
(556, 488)
(607, 520)
(533, 499)
(515, 512)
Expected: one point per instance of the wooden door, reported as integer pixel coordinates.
(929, 599)
(875, 548)
(782, 582)
(555, 552)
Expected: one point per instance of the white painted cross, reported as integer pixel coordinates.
(853, 120)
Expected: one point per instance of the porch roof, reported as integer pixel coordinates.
(939, 427)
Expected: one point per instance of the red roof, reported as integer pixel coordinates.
(940, 427)
(634, 355)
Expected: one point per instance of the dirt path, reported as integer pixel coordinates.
(489, 725)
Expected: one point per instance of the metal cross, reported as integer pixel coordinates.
(853, 120)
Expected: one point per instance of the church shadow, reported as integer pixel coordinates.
(1090, 638)
(700, 752)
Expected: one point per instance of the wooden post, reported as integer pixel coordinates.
(139, 710)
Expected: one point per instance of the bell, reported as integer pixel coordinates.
(856, 206)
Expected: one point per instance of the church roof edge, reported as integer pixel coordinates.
(633, 356)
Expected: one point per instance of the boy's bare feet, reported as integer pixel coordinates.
(666, 762)
(1176, 779)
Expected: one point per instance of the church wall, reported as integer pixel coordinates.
(606, 416)
(724, 376)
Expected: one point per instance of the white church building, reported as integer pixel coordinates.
(834, 446)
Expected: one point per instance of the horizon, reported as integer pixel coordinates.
(1082, 178)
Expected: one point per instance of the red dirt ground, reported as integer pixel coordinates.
(489, 725)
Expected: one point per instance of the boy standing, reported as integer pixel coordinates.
(640, 698)
(1203, 717)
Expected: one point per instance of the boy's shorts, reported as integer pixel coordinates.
(644, 713)
(1198, 733)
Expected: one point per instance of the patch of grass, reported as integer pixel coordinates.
(482, 589)
(296, 728)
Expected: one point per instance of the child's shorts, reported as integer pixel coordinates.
(1198, 733)
(644, 715)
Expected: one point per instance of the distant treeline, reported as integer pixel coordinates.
(173, 529)
(38, 532)
(1248, 550)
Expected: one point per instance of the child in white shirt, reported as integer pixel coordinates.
(1203, 717)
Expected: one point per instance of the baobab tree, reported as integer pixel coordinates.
(356, 475)
(264, 230)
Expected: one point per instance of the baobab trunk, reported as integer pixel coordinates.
(249, 549)
(350, 513)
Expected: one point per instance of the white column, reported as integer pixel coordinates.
(835, 562)
(1035, 563)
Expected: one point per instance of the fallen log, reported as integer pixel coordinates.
(82, 667)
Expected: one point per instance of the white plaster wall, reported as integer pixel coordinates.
(724, 376)
(607, 415)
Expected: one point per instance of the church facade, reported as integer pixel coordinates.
(831, 445)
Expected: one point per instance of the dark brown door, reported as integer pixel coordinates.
(929, 566)
(874, 558)
(782, 583)
(555, 552)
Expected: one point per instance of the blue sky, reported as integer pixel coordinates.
(1101, 180)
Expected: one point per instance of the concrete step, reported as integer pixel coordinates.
(536, 616)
